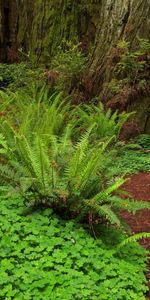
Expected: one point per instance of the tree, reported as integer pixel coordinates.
(8, 27)
(41, 26)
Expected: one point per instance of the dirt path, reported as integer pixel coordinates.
(139, 187)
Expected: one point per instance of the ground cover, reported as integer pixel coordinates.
(139, 188)
(66, 160)
(44, 257)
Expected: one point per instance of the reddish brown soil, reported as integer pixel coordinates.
(139, 188)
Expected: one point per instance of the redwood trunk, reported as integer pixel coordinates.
(39, 27)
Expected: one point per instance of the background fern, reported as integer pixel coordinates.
(107, 123)
(35, 112)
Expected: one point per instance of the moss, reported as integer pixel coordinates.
(45, 34)
(53, 21)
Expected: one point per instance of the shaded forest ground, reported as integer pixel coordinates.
(139, 187)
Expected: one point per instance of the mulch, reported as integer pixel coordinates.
(139, 188)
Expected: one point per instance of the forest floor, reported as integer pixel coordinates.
(139, 187)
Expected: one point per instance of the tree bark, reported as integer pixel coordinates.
(8, 27)
(119, 19)
(39, 27)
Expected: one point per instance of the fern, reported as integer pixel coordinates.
(3, 145)
(107, 123)
(133, 238)
(67, 174)
(43, 114)
(58, 168)
(128, 204)
(6, 100)
(79, 154)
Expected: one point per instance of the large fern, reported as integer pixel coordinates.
(61, 173)
(41, 157)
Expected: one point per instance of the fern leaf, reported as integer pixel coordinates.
(133, 238)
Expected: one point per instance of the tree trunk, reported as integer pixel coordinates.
(8, 28)
(119, 19)
(40, 26)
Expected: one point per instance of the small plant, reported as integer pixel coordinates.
(115, 86)
(51, 166)
(69, 60)
(133, 63)
(131, 66)
(69, 63)
(129, 159)
(144, 141)
(16, 76)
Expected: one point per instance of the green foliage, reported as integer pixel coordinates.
(3, 145)
(129, 159)
(40, 157)
(65, 175)
(134, 238)
(115, 85)
(69, 60)
(70, 63)
(43, 257)
(16, 76)
(33, 111)
(143, 140)
(107, 124)
(132, 66)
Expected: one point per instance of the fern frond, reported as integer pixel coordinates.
(75, 165)
(7, 175)
(3, 144)
(92, 164)
(133, 238)
(112, 188)
(107, 212)
(107, 123)
(128, 204)
(5, 100)
(104, 210)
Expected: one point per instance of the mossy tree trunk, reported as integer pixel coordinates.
(118, 19)
(40, 27)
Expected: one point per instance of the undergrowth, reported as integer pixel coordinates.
(59, 158)
(43, 159)
(68, 160)
(130, 67)
(44, 257)
(130, 161)
(19, 76)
